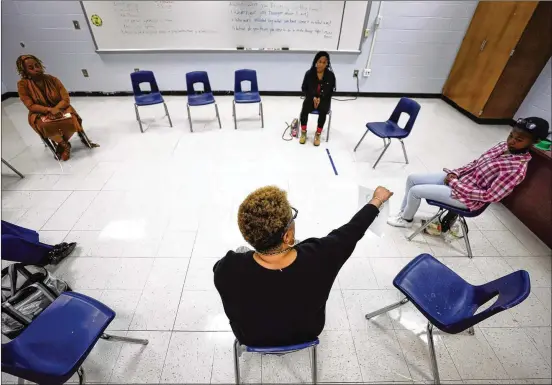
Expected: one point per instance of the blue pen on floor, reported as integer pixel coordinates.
(331, 161)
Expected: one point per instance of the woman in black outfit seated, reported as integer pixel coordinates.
(318, 87)
(276, 294)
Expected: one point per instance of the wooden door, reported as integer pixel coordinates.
(493, 33)
(524, 67)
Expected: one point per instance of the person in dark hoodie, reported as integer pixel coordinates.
(318, 87)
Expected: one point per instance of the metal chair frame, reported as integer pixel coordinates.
(239, 349)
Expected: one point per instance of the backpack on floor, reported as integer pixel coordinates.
(26, 292)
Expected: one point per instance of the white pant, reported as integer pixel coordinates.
(426, 186)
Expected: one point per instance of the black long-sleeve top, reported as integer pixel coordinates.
(314, 87)
(284, 307)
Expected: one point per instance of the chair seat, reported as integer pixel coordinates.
(462, 212)
(387, 130)
(247, 97)
(316, 112)
(449, 302)
(201, 99)
(282, 349)
(148, 99)
(54, 345)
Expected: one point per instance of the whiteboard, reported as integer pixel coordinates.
(221, 25)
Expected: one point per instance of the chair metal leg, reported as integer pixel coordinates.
(138, 118)
(167, 113)
(13, 169)
(381, 155)
(329, 126)
(466, 238)
(422, 228)
(218, 116)
(360, 141)
(189, 118)
(386, 309)
(237, 361)
(109, 337)
(262, 114)
(434, 366)
(404, 151)
(82, 377)
(234, 114)
(314, 366)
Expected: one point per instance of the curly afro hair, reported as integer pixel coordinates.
(263, 215)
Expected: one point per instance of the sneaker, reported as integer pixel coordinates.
(303, 138)
(399, 221)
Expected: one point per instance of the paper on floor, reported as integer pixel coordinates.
(380, 223)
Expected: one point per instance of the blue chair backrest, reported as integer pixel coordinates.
(197, 77)
(408, 106)
(140, 77)
(449, 288)
(245, 75)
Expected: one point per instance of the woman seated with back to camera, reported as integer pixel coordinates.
(276, 294)
(318, 87)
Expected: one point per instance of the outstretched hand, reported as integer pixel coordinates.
(381, 195)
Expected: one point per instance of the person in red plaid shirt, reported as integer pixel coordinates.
(488, 179)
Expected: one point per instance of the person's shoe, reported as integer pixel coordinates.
(399, 221)
(317, 139)
(63, 151)
(60, 252)
(303, 138)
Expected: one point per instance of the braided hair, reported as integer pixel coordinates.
(21, 64)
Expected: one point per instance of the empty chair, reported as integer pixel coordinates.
(199, 98)
(391, 129)
(54, 346)
(277, 350)
(244, 97)
(462, 213)
(450, 303)
(146, 99)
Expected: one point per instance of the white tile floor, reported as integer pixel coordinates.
(153, 212)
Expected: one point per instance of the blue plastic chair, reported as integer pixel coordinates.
(146, 99)
(54, 346)
(462, 213)
(450, 303)
(246, 97)
(391, 129)
(276, 350)
(200, 98)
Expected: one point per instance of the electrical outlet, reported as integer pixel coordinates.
(366, 72)
(84, 73)
(355, 73)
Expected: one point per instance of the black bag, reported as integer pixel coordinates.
(26, 292)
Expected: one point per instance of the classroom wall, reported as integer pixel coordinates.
(538, 101)
(414, 51)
